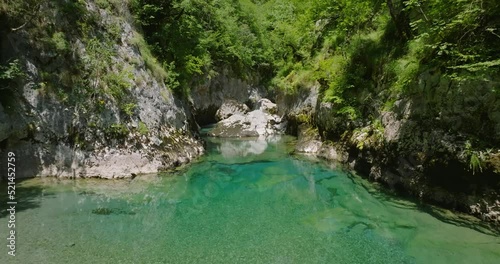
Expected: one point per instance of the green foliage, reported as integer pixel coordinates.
(407, 68)
(129, 108)
(479, 66)
(349, 111)
(59, 42)
(475, 163)
(477, 158)
(118, 131)
(458, 34)
(19, 13)
(142, 128)
(192, 38)
(114, 30)
(118, 83)
(104, 4)
(158, 71)
(11, 71)
(304, 118)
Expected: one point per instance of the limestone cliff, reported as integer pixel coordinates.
(90, 100)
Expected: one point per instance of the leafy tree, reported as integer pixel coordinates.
(197, 36)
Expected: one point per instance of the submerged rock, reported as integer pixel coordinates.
(102, 211)
(230, 149)
(109, 211)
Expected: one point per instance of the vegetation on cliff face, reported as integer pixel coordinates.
(90, 79)
(349, 47)
(344, 45)
(192, 38)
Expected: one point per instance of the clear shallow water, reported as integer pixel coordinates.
(247, 201)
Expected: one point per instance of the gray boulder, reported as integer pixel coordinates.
(267, 106)
(260, 122)
(229, 108)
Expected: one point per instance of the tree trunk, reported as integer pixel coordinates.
(400, 19)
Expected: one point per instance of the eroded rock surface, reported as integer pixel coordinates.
(309, 142)
(259, 122)
(229, 108)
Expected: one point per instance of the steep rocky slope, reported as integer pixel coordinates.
(89, 99)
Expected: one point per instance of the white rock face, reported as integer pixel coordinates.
(211, 93)
(260, 122)
(313, 146)
(392, 126)
(229, 108)
(266, 106)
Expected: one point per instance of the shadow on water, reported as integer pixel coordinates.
(405, 201)
(27, 197)
(460, 220)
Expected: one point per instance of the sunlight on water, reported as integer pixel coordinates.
(247, 201)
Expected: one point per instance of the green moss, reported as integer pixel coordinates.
(103, 4)
(151, 62)
(118, 131)
(128, 109)
(142, 128)
(304, 118)
(59, 42)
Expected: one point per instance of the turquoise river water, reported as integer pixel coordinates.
(246, 201)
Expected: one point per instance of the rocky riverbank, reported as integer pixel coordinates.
(407, 150)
